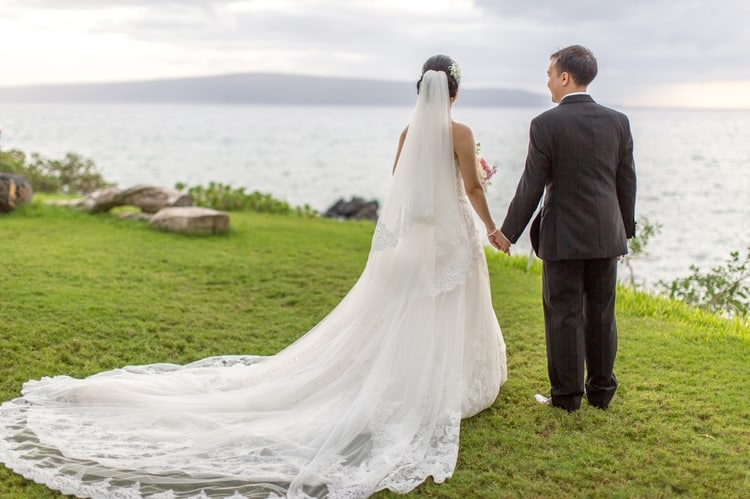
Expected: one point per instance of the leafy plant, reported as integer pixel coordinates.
(73, 174)
(637, 245)
(12, 161)
(226, 198)
(724, 290)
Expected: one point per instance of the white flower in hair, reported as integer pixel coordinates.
(455, 72)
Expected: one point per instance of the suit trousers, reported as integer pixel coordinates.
(580, 328)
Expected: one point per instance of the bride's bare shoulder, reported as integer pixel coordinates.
(461, 132)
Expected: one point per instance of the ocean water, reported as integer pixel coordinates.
(693, 166)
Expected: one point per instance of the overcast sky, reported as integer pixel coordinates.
(651, 52)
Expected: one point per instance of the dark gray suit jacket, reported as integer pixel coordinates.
(581, 157)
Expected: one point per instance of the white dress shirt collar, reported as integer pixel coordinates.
(574, 93)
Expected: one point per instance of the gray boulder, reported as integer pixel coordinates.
(356, 209)
(191, 220)
(148, 198)
(15, 190)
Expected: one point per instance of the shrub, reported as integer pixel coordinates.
(226, 198)
(73, 174)
(724, 290)
(637, 244)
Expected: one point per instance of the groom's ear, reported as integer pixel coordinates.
(565, 78)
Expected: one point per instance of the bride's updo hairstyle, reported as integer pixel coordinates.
(446, 65)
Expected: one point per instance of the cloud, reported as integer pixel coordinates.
(97, 4)
(640, 44)
(354, 39)
(546, 11)
(713, 95)
(649, 41)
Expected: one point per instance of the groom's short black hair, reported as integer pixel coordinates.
(578, 61)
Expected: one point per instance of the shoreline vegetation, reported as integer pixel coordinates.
(83, 293)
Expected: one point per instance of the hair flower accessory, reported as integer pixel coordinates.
(484, 170)
(455, 72)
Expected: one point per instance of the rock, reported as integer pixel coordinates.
(191, 220)
(97, 201)
(151, 199)
(148, 198)
(15, 190)
(356, 209)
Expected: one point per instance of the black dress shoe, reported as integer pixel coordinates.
(599, 405)
(548, 402)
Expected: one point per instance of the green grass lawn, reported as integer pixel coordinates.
(81, 293)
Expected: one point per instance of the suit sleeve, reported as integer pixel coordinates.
(626, 183)
(531, 186)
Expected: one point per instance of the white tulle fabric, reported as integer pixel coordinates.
(369, 399)
(424, 200)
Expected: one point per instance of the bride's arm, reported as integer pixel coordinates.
(465, 148)
(400, 146)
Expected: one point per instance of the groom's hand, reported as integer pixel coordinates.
(501, 242)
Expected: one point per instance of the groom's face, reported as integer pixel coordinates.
(555, 82)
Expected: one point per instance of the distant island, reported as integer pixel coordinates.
(260, 88)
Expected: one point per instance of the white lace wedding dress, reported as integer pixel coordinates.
(369, 399)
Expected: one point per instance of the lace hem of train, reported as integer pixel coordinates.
(433, 453)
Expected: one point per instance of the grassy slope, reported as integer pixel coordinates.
(81, 293)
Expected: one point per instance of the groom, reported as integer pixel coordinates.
(581, 156)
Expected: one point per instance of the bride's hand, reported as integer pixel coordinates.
(493, 243)
(499, 241)
(492, 237)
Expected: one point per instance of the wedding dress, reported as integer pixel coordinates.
(371, 398)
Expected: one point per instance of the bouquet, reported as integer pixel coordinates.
(485, 171)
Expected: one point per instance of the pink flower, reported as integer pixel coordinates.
(485, 171)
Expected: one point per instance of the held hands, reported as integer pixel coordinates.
(499, 241)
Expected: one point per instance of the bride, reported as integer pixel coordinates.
(369, 399)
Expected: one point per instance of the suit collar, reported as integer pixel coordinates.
(571, 98)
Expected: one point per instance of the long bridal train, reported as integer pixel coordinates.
(371, 398)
